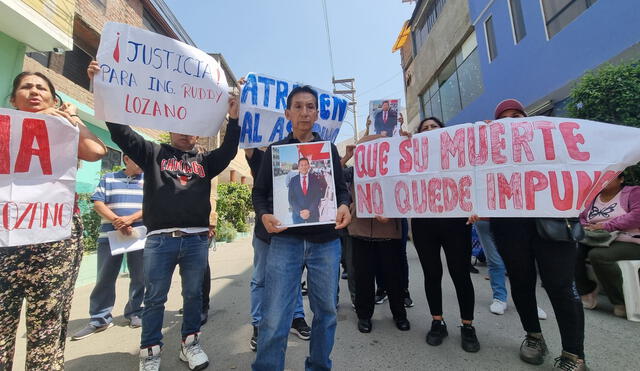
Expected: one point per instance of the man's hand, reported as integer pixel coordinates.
(127, 231)
(305, 214)
(400, 118)
(212, 231)
(93, 68)
(272, 224)
(343, 217)
(381, 219)
(234, 107)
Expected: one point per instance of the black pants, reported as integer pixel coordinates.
(404, 274)
(521, 248)
(454, 236)
(366, 256)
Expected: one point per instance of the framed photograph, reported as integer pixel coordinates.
(303, 188)
(384, 117)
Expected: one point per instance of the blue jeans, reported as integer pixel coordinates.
(495, 264)
(287, 257)
(103, 295)
(260, 250)
(161, 255)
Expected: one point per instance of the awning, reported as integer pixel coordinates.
(402, 37)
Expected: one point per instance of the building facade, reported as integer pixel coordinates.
(489, 50)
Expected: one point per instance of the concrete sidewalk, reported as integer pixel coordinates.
(611, 343)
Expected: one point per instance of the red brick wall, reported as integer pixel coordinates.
(96, 15)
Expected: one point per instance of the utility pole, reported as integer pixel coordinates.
(347, 89)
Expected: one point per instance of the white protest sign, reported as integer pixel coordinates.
(262, 104)
(38, 163)
(120, 243)
(524, 167)
(153, 81)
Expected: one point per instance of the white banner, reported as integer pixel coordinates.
(156, 82)
(524, 167)
(38, 163)
(262, 104)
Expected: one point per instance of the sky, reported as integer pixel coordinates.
(287, 39)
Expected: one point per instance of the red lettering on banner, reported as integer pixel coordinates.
(491, 191)
(435, 185)
(421, 154)
(545, 128)
(378, 202)
(419, 195)
(572, 140)
(384, 158)
(406, 163)
(364, 197)
(464, 189)
(510, 190)
(402, 197)
(534, 181)
(585, 185)
(449, 194)
(5, 144)
(371, 155)
(498, 143)
(559, 203)
(24, 215)
(34, 129)
(359, 161)
(477, 157)
(600, 184)
(521, 140)
(451, 146)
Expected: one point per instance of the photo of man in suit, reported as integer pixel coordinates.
(305, 193)
(386, 120)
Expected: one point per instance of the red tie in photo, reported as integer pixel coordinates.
(304, 185)
(384, 116)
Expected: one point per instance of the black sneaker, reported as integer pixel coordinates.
(469, 339)
(300, 328)
(408, 303)
(533, 349)
(473, 269)
(253, 343)
(381, 296)
(437, 333)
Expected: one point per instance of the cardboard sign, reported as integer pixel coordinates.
(523, 167)
(262, 104)
(156, 82)
(303, 188)
(38, 163)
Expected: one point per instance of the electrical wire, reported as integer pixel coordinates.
(326, 26)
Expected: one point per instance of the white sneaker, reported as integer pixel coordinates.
(498, 306)
(150, 358)
(192, 352)
(541, 314)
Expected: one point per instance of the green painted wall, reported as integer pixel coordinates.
(11, 61)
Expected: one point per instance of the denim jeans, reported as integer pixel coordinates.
(495, 264)
(161, 255)
(103, 295)
(288, 256)
(260, 249)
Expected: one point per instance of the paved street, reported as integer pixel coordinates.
(611, 343)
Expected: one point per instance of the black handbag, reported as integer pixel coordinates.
(560, 229)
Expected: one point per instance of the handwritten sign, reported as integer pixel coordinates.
(153, 81)
(38, 163)
(526, 167)
(262, 104)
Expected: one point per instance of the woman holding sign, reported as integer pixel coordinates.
(454, 236)
(523, 250)
(43, 274)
